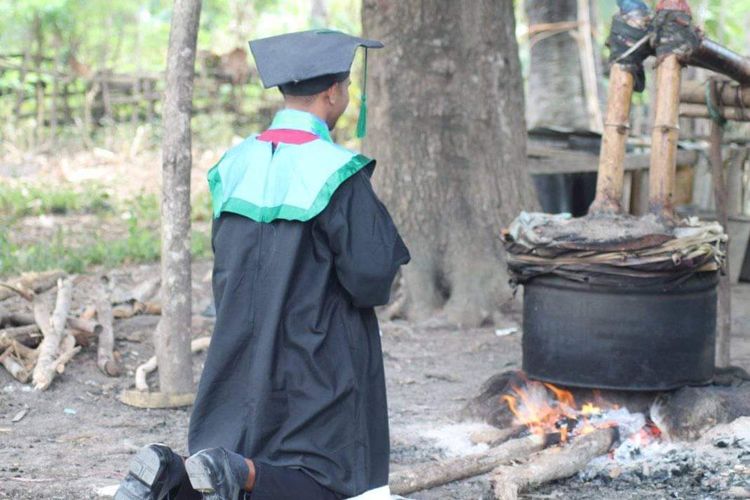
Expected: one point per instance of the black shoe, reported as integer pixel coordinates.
(154, 471)
(211, 473)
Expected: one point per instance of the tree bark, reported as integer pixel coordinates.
(448, 131)
(172, 337)
(556, 91)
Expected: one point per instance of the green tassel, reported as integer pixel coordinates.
(362, 121)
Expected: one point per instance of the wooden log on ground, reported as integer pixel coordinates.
(609, 184)
(16, 319)
(551, 464)
(54, 347)
(197, 345)
(29, 335)
(664, 137)
(134, 308)
(16, 369)
(430, 475)
(495, 437)
(35, 282)
(105, 358)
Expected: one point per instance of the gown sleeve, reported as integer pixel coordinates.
(367, 248)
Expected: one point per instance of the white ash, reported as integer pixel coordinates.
(711, 467)
(454, 440)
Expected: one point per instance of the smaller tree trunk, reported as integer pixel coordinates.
(172, 337)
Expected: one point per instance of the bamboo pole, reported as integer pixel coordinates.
(689, 110)
(588, 67)
(609, 183)
(664, 136)
(729, 94)
(724, 326)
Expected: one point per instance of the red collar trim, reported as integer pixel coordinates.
(287, 136)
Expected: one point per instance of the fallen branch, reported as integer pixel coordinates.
(105, 358)
(16, 319)
(30, 282)
(494, 436)
(555, 463)
(28, 335)
(197, 345)
(424, 476)
(18, 360)
(134, 308)
(53, 328)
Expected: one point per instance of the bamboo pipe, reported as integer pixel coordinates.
(664, 136)
(731, 94)
(713, 56)
(689, 110)
(609, 183)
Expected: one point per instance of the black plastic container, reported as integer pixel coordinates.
(625, 337)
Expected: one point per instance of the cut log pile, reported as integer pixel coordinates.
(37, 347)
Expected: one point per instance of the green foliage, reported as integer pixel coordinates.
(26, 199)
(106, 246)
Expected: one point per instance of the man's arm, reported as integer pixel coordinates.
(366, 245)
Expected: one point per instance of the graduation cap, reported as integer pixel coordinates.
(308, 62)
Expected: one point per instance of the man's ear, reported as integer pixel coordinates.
(332, 93)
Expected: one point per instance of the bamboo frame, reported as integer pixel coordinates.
(609, 184)
(664, 137)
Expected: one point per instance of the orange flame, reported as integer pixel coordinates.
(545, 413)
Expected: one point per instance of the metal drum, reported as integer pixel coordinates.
(625, 337)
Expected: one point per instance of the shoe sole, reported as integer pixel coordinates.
(145, 467)
(201, 476)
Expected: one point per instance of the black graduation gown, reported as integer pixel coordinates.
(294, 373)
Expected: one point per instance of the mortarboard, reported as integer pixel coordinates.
(308, 62)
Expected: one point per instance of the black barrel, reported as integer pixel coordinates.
(625, 337)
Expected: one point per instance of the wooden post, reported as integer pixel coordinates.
(724, 324)
(609, 184)
(664, 136)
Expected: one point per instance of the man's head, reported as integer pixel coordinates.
(311, 68)
(328, 104)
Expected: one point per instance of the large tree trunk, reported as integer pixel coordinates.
(556, 93)
(449, 133)
(172, 336)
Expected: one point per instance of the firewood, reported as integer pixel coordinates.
(28, 335)
(134, 308)
(494, 436)
(30, 282)
(12, 360)
(16, 319)
(430, 475)
(197, 345)
(53, 328)
(105, 358)
(551, 464)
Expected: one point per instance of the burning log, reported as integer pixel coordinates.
(555, 463)
(424, 476)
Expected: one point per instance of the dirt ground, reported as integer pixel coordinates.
(77, 437)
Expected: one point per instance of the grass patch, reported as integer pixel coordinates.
(127, 231)
(25, 200)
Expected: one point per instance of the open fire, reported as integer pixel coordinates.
(548, 410)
